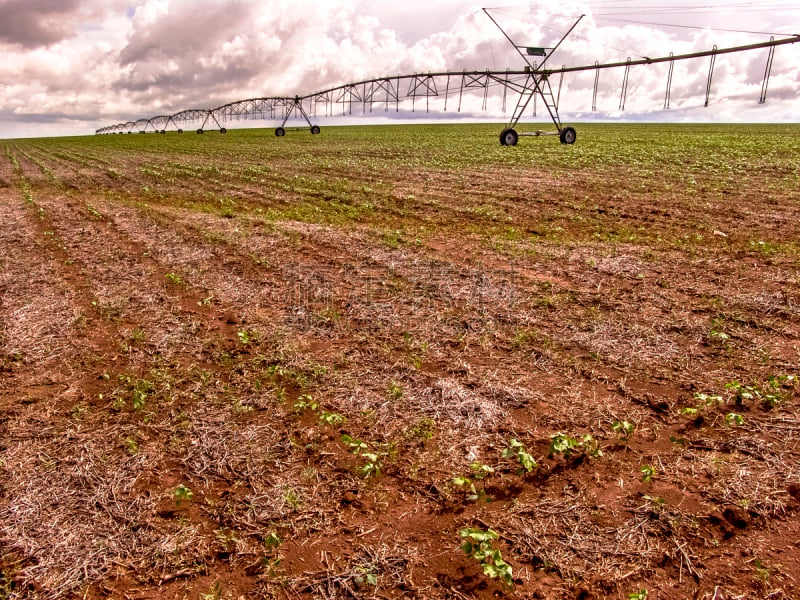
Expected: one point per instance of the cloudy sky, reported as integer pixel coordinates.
(71, 66)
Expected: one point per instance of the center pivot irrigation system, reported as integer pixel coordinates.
(530, 83)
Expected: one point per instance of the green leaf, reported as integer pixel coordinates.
(272, 540)
(562, 444)
(734, 419)
(527, 461)
(479, 535)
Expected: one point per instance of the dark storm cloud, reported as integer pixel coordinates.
(38, 23)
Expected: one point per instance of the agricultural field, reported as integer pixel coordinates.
(401, 362)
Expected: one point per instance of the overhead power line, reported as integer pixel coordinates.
(655, 24)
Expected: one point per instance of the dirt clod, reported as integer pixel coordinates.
(736, 516)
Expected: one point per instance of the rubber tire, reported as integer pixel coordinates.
(200, 132)
(280, 132)
(180, 130)
(315, 129)
(223, 130)
(163, 131)
(568, 135)
(509, 137)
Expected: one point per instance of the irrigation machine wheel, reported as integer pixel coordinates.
(280, 132)
(200, 132)
(568, 135)
(223, 130)
(180, 130)
(509, 137)
(314, 129)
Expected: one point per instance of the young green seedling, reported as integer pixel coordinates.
(306, 402)
(372, 460)
(331, 418)
(734, 419)
(478, 544)
(467, 484)
(566, 445)
(624, 429)
(516, 450)
(372, 466)
(353, 445)
(182, 493)
(563, 444)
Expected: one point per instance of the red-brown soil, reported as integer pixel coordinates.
(193, 342)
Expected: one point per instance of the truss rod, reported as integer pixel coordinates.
(623, 95)
(560, 83)
(710, 74)
(767, 73)
(669, 83)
